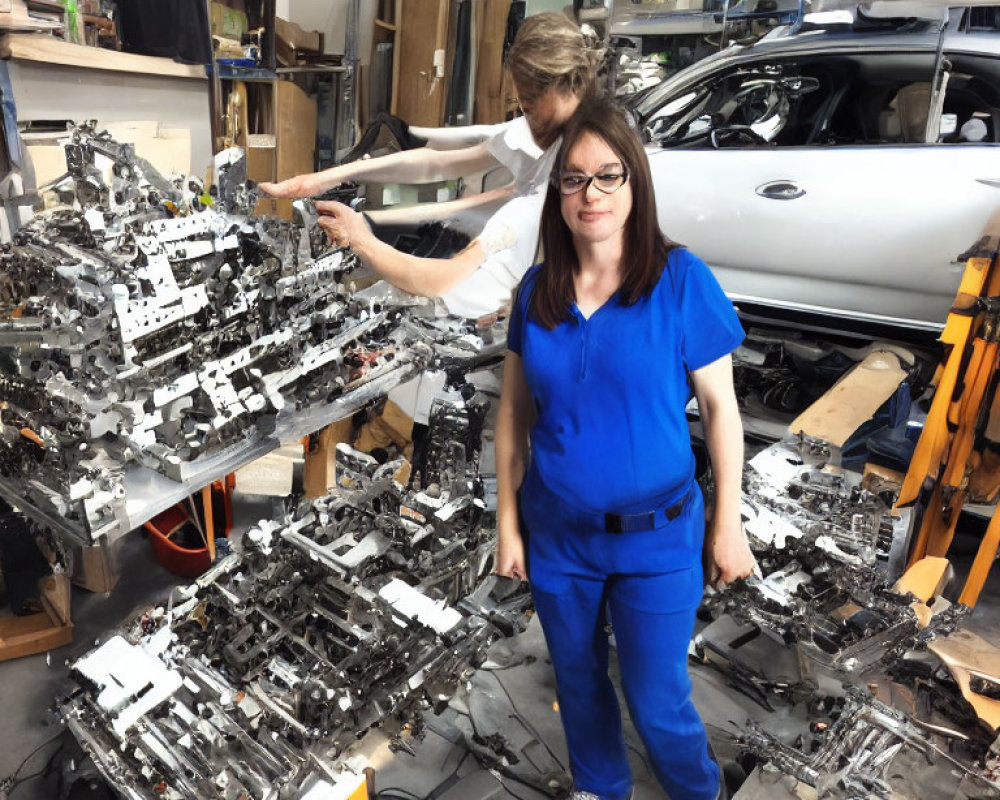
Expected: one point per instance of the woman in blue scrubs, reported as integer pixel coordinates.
(607, 340)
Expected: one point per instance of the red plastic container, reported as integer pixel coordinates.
(164, 530)
(183, 561)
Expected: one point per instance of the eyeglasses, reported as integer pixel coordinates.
(609, 182)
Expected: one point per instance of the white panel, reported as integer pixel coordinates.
(53, 91)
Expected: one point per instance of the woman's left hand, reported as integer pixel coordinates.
(344, 226)
(728, 555)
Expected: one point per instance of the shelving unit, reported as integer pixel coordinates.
(106, 85)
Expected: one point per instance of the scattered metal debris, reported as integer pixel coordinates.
(358, 609)
(828, 637)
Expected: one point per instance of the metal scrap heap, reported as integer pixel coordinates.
(355, 610)
(147, 321)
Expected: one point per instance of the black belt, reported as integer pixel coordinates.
(644, 521)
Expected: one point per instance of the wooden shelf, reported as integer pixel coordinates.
(46, 49)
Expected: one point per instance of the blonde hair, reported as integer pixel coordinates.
(551, 52)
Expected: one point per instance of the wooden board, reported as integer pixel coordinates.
(97, 568)
(419, 34)
(964, 653)
(925, 579)
(295, 127)
(490, 105)
(44, 48)
(852, 401)
(39, 633)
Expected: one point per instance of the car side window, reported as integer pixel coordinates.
(819, 101)
(971, 108)
(758, 105)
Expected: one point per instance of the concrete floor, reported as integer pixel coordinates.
(438, 763)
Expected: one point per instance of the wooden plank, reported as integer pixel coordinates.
(422, 31)
(14, 16)
(26, 636)
(852, 401)
(43, 48)
(489, 105)
(38, 633)
(398, 15)
(964, 653)
(295, 126)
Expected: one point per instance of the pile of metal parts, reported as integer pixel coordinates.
(147, 322)
(358, 609)
(831, 637)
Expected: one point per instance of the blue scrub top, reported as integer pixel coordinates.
(610, 391)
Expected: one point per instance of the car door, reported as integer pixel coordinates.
(829, 202)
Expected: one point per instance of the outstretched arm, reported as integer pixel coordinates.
(727, 543)
(513, 422)
(430, 277)
(420, 165)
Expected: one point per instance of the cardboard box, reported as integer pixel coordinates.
(38, 633)
(272, 474)
(280, 207)
(97, 568)
(262, 157)
(295, 127)
(294, 37)
(226, 21)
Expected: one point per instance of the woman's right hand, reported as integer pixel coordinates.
(510, 553)
(299, 186)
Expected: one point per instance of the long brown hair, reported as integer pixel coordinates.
(645, 247)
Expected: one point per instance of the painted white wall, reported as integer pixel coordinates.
(330, 17)
(537, 6)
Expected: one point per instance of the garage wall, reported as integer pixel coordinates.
(330, 17)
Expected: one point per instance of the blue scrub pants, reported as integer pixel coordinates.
(651, 582)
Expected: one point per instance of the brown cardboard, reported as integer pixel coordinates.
(167, 149)
(291, 39)
(320, 469)
(226, 21)
(38, 633)
(965, 653)
(295, 126)
(271, 474)
(97, 568)
(392, 426)
(852, 401)
(280, 207)
(261, 162)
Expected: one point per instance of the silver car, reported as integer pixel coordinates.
(840, 168)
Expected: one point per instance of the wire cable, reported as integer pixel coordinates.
(527, 725)
(13, 776)
(43, 771)
(507, 788)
